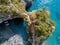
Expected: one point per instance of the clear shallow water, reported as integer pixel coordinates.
(54, 7)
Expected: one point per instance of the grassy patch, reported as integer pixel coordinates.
(0, 43)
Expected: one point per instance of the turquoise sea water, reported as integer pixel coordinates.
(54, 7)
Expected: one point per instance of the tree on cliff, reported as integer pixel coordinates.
(43, 25)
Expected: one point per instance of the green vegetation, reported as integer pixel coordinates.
(19, 5)
(5, 5)
(16, 1)
(5, 2)
(0, 43)
(43, 25)
(6, 8)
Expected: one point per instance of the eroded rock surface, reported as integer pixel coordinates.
(8, 37)
(14, 40)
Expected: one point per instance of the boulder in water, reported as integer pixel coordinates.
(29, 3)
(14, 40)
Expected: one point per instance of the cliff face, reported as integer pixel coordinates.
(13, 9)
(27, 3)
(14, 40)
(39, 26)
(8, 37)
(43, 26)
(8, 10)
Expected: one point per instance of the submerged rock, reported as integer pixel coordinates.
(5, 33)
(8, 37)
(28, 3)
(14, 40)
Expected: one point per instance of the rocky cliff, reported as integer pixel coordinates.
(39, 26)
(13, 9)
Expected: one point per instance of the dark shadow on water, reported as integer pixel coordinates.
(16, 26)
(17, 21)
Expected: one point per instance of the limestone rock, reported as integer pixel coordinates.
(15, 40)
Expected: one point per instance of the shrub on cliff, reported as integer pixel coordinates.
(43, 25)
(4, 2)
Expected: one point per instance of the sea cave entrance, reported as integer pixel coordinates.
(17, 26)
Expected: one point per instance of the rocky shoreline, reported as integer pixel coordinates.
(34, 22)
(9, 37)
(26, 5)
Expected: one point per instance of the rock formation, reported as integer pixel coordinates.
(39, 26)
(14, 40)
(42, 26)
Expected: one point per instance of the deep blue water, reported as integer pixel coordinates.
(18, 26)
(54, 7)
